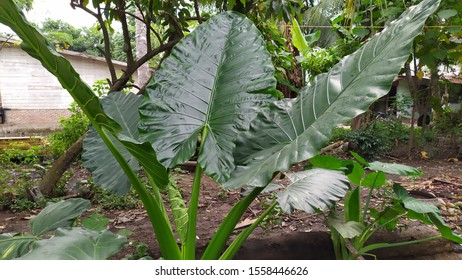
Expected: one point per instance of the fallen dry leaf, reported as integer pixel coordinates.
(28, 217)
(245, 223)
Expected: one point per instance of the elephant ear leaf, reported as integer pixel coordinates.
(15, 245)
(77, 244)
(97, 158)
(58, 214)
(290, 131)
(208, 87)
(313, 190)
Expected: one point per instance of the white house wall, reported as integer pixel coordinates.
(25, 84)
(31, 98)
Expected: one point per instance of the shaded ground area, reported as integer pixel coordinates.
(442, 179)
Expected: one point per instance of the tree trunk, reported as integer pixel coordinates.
(48, 183)
(141, 46)
(413, 90)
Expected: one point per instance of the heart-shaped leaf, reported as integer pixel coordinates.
(97, 158)
(395, 168)
(313, 190)
(349, 229)
(211, 84)
(290, 131)
(77, 244)
(59, 214)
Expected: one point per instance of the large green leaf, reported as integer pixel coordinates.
(59, 214)
(412, 203)
(349, 229)
(290, 131)
(395, 168)
(445, 231)
(97, 158)
(212, 81)
(298, 40)
(77, 244)
(13, 246)
(313, 190)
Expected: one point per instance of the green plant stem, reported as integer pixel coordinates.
(368, 233)
(160, 224)
(157, 196)
(242, 237)
(368, 200)
(389, 245)
(220, 238)
(189, 252)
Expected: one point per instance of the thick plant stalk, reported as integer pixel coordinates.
(154, 208)
(190, 246)
(220, 238)
(242, 237)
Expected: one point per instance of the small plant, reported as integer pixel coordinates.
(109, 201)
(23, 153)
(140, 253)
(59, 220)
(450, 124)
(360, 220)
(70, 130)
(339, 133)
(275, 216)
(370, 143)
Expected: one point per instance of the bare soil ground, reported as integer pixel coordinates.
(441, 178)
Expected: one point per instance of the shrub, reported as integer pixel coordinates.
(23, 153)
(449, 123)
(71, 129)
(108, 201)
(369, 142)
(378, 138)
(339, 133)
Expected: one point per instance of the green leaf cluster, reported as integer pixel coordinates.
(91, 242)
(361, 220)
(214, 94)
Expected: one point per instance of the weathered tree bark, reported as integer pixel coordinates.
(48, 183)
(141, 46)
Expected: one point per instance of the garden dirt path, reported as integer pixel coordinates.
(443, 179)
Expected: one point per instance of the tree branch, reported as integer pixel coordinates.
(175, 24)
(107, 41)
(198, 14)
(131, 69)
(126, 33)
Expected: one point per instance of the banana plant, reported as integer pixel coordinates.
(216, 89)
